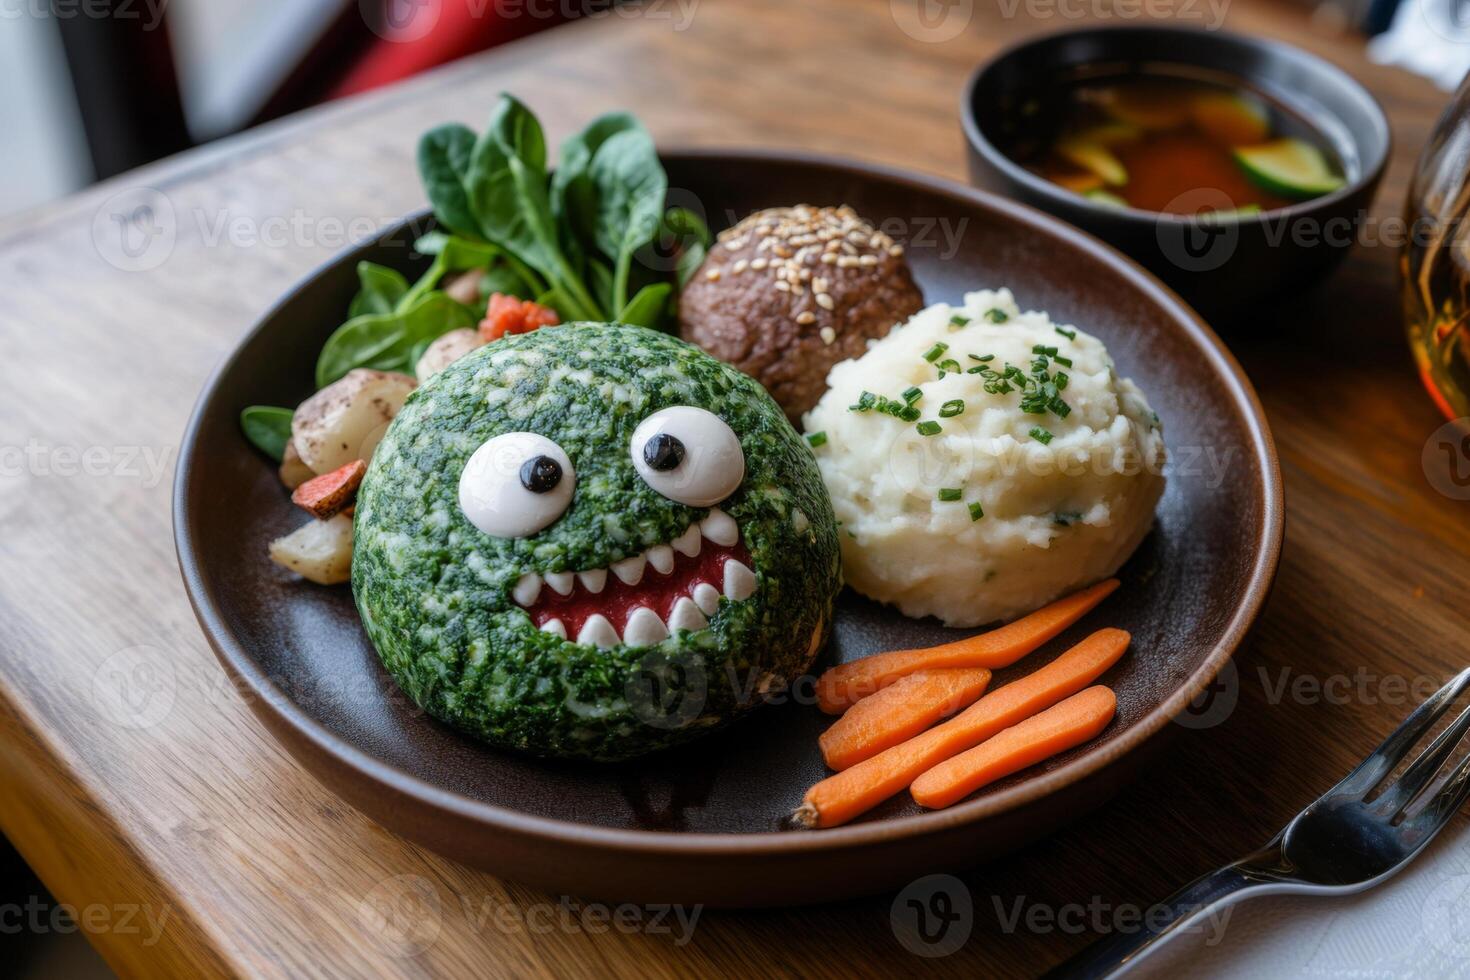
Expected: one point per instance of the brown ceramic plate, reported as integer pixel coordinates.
(705, 823)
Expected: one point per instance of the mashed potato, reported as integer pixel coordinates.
(1000, 510)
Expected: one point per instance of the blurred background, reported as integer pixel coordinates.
(97, 87)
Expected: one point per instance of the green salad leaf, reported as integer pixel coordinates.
(386, 341)
(268, 428)
(648, 307)
(381, 290)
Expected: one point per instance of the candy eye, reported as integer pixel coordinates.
(689, 455)
(516, 484)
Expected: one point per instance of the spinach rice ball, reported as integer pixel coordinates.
(593, 541)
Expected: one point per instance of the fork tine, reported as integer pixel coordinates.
(1445, 804)
(1381, 761)
(1426, 767)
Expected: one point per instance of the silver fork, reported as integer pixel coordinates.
(1341, 844)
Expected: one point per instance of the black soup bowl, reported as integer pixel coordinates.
(1221, 265)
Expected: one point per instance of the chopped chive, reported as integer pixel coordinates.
(997, 316)
(1061, 380)
(928, 428)
(959, 321)
(816, 439)
(1040, 435)
(1064, 361)
(1043, 349)
(911, 395)
(950, 493)
(976, 511)
(935, 353)
(982, 360)
(1069, 334)
(949, 364)
(909, 414)
(865, 402)
(951, 408)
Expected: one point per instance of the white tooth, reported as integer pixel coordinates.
(739, 580)
(527, 590)
(720, 527)
(597, 631)
(686, 616)
(661, 557)
(593, 581)
(707, 598)
(688, 542)
(630, 570)
(555, 626)
(561, 581)
(644, 628)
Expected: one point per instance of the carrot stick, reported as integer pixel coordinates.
(1039, 737)
(899, 712)
(837, 799)
(846, 684)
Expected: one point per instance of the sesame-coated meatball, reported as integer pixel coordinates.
(789, 292)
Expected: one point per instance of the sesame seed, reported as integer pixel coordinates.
(739, 265)
(758, 264)
(712, 275)
(806, 318)
(896, 251)
(824, 300)
(819, 284)
(783, 285)
(828, 259)
(869, 260)
(828, 335)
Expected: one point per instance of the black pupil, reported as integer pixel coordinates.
(540, 474)
(663, 452)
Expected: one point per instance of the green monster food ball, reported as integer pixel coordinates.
(593, 541)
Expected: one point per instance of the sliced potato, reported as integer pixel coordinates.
(293, 471)
(345, 420)
(320, 551)
(447, 349)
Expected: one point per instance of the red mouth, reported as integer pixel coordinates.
(646, 598)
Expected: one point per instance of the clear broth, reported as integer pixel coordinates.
(1174, 164)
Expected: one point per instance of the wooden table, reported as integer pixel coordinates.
(133, 778)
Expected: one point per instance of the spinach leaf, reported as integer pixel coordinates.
(686, 234)
(573, 195)
(647, 308)
(268, 428)
(385, 341)
(508, 192)
(631, 185)
(431, 242)
(444, 163)
(381, 290)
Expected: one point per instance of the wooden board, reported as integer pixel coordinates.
(133, 777)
